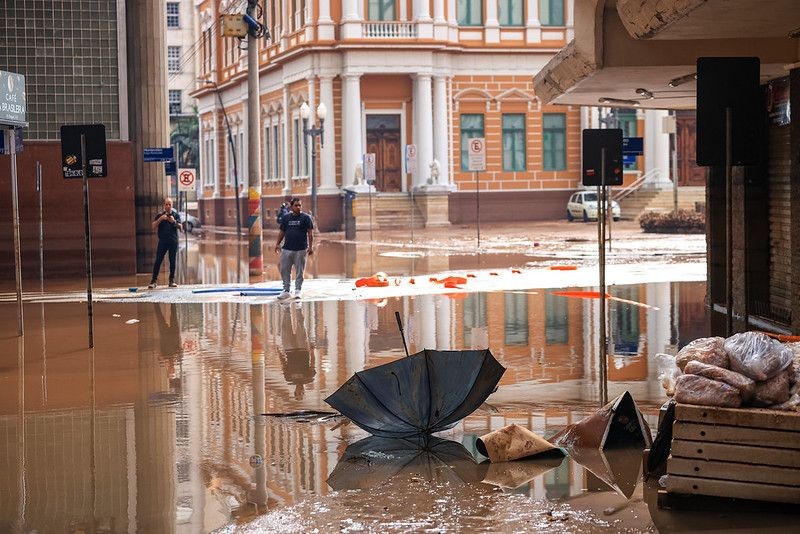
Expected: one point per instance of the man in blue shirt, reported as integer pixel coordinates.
(298, 230)
(168, 223)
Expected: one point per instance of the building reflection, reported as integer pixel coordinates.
(179, 396)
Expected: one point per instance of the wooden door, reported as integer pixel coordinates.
(383, 139)
(690, 173)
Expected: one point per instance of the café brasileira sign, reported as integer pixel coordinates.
(12, 100)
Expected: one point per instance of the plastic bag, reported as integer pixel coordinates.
(668, 372)
(693, 389)
(745, 385)
(708, 350)
(773, 391)
(757, 355)
(793, 404)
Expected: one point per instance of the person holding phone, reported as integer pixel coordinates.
(168, 224)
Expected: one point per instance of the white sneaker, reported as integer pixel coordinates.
(151, 285)
(284, 295)
(297, 294)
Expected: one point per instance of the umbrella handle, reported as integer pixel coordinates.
(402, 335)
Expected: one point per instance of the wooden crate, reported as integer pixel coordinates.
(745, 453)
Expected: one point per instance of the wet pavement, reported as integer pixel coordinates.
(159, 428)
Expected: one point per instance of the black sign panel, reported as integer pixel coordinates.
(594, 141)
(722, 83)
(96, 160)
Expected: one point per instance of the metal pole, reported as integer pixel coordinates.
(12, 143)
(255, 231)
(478, 206)
(602, 266)
(88, 242)
(728, 221)
(675, 165)
(233, 155)
(370, 211)
(412, 213)
(41, 226)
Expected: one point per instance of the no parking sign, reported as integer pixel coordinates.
(186, 179)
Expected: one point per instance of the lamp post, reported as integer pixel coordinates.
(233, 153)
(313, 132)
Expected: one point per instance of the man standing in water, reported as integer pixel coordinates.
(168, 223)
(298, 229)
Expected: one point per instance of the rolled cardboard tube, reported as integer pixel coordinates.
(512, 443)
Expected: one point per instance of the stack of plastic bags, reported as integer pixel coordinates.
(747, 369)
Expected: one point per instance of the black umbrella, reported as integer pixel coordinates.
(423, 393)
(374, 461)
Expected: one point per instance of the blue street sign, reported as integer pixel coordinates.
(4, 145)
(633, 145)
(170, 169)
(629, 159)
(158, 154)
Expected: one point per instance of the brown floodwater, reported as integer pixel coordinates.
(159, 428)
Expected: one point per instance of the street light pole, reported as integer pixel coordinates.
(233, 154)
(313, 132)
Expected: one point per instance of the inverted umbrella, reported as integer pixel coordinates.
(426, 392)
(374, 461)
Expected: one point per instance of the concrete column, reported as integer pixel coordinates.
(569, 10)
(440, 137)
(492, 25)
(328, 151)
(422, 16)
(656, 146)
(443, 323)
(440, 31)
(324, 22)
(351, 121)
(426, 321)
(351, 20)
(149, 126)
(533, 26)
(285, 24)
(330, 317)
(287, 170)
(423, 127)
(355, 336)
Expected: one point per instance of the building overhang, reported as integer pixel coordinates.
(624, 51)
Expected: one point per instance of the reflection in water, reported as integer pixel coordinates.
(173, 399)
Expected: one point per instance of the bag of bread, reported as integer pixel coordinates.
(746, 386)
(757, 355)
(694, 389)
(708, 350)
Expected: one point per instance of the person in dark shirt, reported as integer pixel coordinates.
(298, 230)
(296, 350)
(168, 224)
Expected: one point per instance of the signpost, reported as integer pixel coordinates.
(83, 155)
(158, 154)
(477, 162)
(13, 109)
(187, 181)
(411, 168)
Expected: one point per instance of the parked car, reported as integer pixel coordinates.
(584, 205)
(190, 222)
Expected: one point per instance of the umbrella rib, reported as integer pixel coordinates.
(430, 391)
(385, 408)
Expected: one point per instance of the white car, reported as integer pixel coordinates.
(584, 205)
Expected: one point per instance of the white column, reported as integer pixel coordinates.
(287, 172)
(355, 336)
(351, 120)
(492, 24)
(439, 22)
(533, 26)
(452, 20)
(327, 156)
(423, 124)
(570, 19)
(285, 24)
(451, 135)
(440, 137)
(656, 146)
(330, 317)
(426, 314)
(324, 22)
(443, 340)
(351, 20)
(422, 16)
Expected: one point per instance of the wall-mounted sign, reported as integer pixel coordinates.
(778, 106)
(95, 144)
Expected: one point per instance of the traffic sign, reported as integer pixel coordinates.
(95, 140)
(369, 167)
(633, 145)
(477, 154)
(170, 168)
(158, 154)
(12, 99)
(596, 142)
(411, 159)
(186, 179)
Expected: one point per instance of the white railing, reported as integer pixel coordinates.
(389, 30)
(637, 184)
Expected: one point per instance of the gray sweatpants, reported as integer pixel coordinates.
(289, 258)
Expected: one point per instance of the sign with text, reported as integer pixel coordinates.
(187, 179)
(477, 154)
(369, 167)
(12, 99)
(633, 145)
(597, 142)
(95, 140)
(5, 141)
(411, 159)
(158, 154)
(170, 168)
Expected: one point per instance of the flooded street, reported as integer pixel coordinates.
(191, 417)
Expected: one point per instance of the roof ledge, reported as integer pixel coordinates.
(644, 19)
(562, 73)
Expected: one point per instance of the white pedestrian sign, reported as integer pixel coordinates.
(477, 154)
(369, 167)
(186, 179)
(411, 159)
